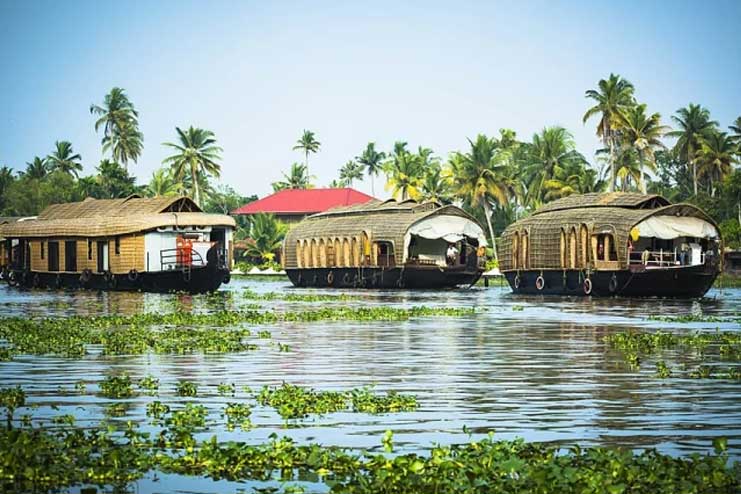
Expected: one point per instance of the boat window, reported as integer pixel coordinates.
(355, 252)
(525, 245)
(563, 248)
(70, 255)
(41, 242)
(603, 247)
(584, 248)
(89, 250)
(515, 250)
(314, 254)
(53, 256)
(117, 244)
(322, 253)
(572, 248)
(385, 254)
(366, 246)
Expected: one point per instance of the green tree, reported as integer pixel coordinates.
(38, 168)
(716, 158)
(404, 173)
(163, 184)
(112, 181)
(64, 159)
(436, 185)
(613, 95)
(372, 160)
(572, 178)
(267, 234)
(480, 177)
(197, 156)
(120, 124)
(308, 144)
(736, 129)
(6, 180)
(350, 171)
(552, 152)
(29, 196)
(694, 123)
(642, 133)
(297, 178)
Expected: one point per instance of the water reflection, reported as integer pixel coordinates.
(542, 372)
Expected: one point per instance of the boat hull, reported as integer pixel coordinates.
(678, 282)
(377, 277)
(201, 279)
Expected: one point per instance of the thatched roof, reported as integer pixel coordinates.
(544, 226)
(381, 220)
(108, 217)
(606, 200)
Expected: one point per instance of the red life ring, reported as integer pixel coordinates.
(539, 283)
(587, 286)
(330, 278)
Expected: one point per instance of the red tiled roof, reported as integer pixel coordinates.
(304, 201)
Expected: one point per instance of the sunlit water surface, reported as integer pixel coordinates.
(541, 373)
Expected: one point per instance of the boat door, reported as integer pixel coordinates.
(102, 247)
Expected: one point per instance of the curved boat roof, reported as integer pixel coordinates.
(108, 217)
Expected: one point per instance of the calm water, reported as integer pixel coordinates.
(541, 373)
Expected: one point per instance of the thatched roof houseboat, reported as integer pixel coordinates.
(132, 243)
(386, 245)
(612, 244)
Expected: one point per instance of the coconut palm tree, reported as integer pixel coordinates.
(297, 178)
(197, 156)
(480, 177)
(266, 234)
(716, 157)
(436, 185)
(613, 95)
(38, 168)
(64, 159)
(551, 151)
(643, 133)
(163, 184)
(350, 171)
(120, 125)
(694, 124)
(372, 160)
(308, 144)
(573, 178)
(736, 129)
(404, 173)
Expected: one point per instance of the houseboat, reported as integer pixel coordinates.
(386, 245)
(160, 244)
(612, 244)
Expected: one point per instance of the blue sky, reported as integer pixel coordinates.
(432, 74)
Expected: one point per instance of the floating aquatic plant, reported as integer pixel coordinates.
(186, 388)
(116, 386)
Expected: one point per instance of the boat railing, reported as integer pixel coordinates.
(663, 258)
(180, 259)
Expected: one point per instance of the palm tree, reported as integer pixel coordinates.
(297, 178)
(436, 185)
(736, 129)
(480, 177)
(574, 178)
(163, 184)
(694, 123)
(716, 157)
(629, 169)
(614, 94)
(64, 160)
(120, 125)
(372, 160)
(404, 173)
(308, 143)
(267, 235)
(197, 155)
(551, 151)
(350, 171)
(643, 133)
(38, 168)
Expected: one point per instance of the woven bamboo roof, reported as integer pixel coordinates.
(610, 199)
(108, 217)
(381, 220)
(544, 227)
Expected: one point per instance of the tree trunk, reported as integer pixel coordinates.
(306, 163)
(487, 212)
(694, 168)
(610, 144)
(373, 185)
(194, 178)
(643, 177)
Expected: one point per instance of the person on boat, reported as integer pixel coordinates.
(452, 254)
(683, 250)
(645, 256)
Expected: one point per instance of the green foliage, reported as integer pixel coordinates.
(364, 400)
(297, 178)
(150, 384)
(186, 388)
(266, 235)
(238, 414)
(226, 389)
(196, 157)
(116, 387)
(119, 119)
(11, 399)
(157, 410)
